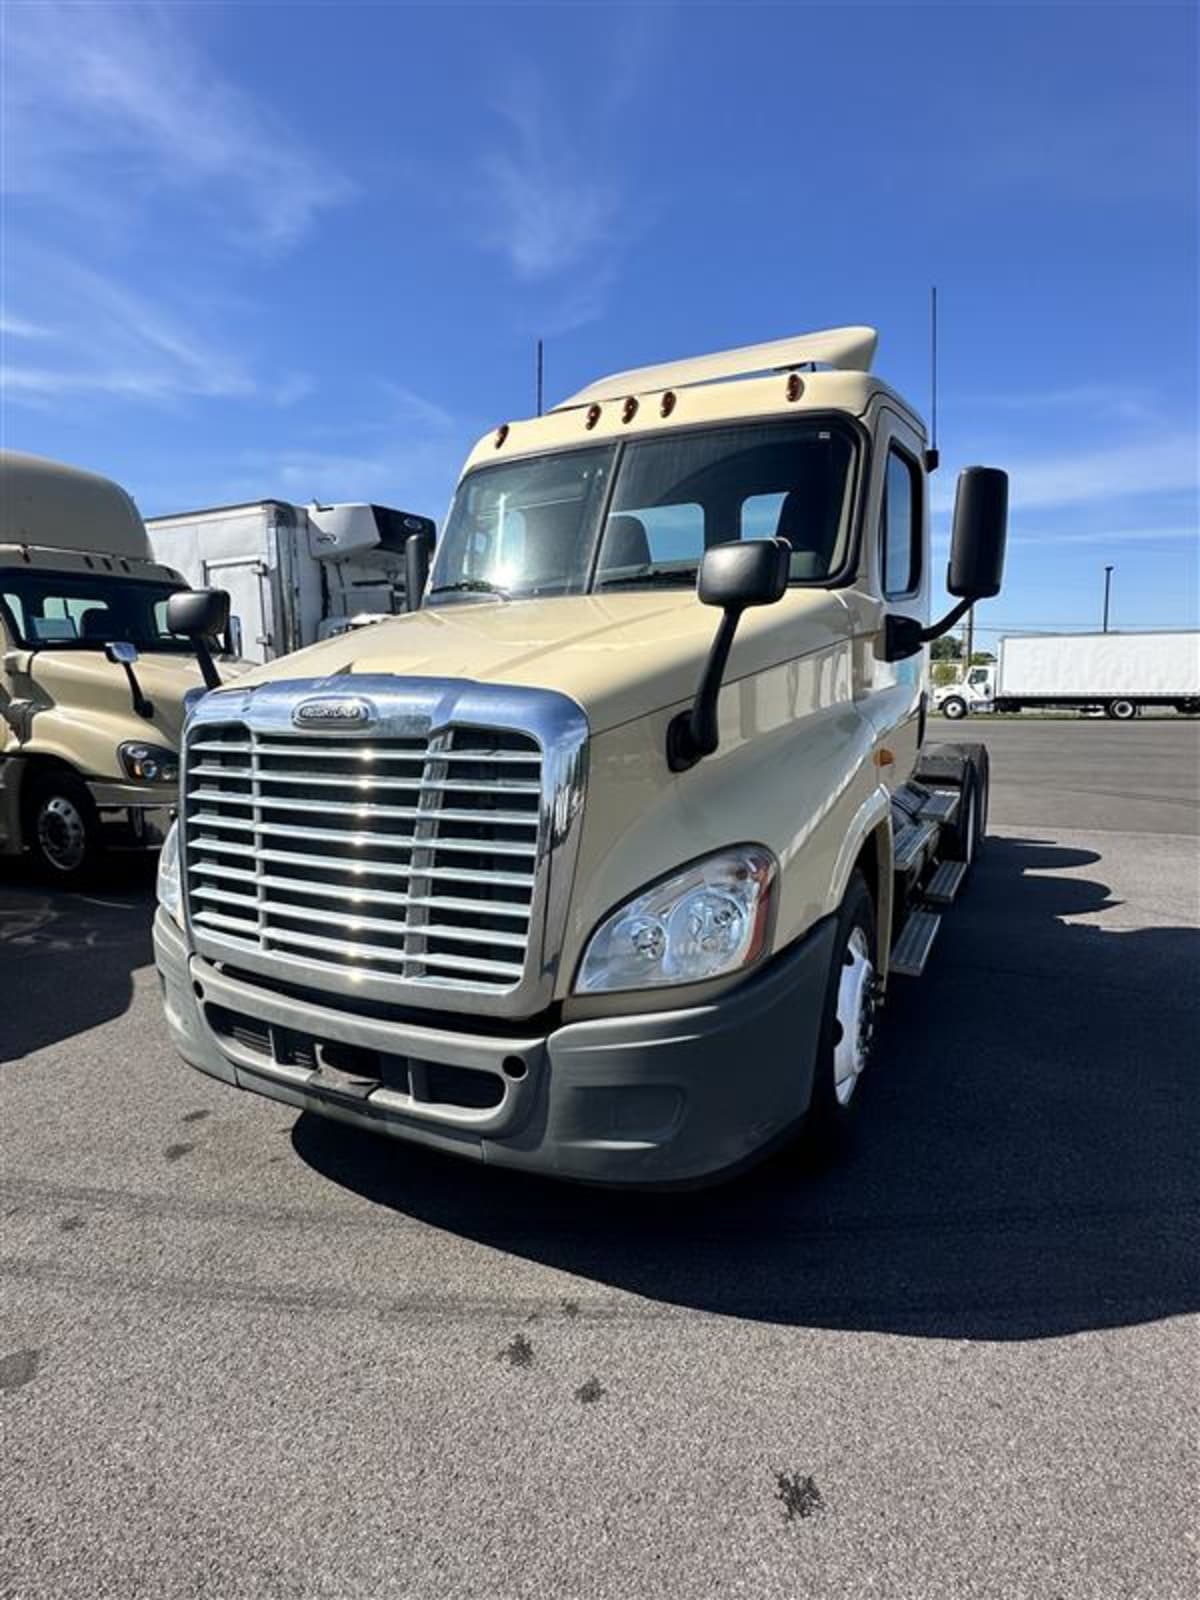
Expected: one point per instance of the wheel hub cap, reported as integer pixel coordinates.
(61, 834)
(855, 1016)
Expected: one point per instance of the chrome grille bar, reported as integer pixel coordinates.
(425, 849)
(248, 796)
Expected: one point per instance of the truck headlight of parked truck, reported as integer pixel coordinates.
(600, 863)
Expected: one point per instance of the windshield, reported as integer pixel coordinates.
(640, 515)
(86, 610)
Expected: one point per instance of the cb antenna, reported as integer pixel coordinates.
(931, 455)
(539, 377)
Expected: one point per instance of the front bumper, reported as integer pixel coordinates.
(133, 813)
(654, 1098)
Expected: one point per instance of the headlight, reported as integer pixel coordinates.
(709, 919)
(170, 896)
(149, 763)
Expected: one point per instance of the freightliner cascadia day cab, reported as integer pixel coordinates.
(93, 678)
(598, 864)
(1117, 673)
(294, 574)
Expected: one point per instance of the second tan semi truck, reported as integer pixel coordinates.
(601, 862)
(94, 677)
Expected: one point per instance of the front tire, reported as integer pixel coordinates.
(1121, 710)
(62, 830)
(848, 1025)
(954, 707)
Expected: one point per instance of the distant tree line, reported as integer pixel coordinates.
(946, 655)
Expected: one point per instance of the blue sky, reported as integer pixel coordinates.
(305, 251)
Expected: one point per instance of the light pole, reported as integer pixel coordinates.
(1108, 572)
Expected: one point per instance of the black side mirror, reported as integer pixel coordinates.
(976, 559)
(200, 615)
(746, 572)
(418, 549)
(980, 529)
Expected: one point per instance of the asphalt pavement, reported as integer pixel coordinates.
(248, 1354)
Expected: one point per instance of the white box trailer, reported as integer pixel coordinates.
(295, 574)
(1119, 673)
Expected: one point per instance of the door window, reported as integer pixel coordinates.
(901, 527)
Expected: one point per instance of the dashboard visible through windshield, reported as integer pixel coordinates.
(641, 513)
(47, 610)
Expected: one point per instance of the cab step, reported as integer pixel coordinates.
(911, 950)
(942, 806)
(912, 843)
(945, 883)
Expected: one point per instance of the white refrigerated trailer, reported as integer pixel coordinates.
(1119, 673)
(295, 574)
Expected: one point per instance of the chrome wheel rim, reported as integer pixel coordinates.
(61, 834)
(855, 1029)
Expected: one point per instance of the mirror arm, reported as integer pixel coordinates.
(208, 667)
(904, 636)
(937, 629)
(143, 707)
(692, 735)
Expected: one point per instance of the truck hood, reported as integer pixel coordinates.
(84, 686)
(619, 656)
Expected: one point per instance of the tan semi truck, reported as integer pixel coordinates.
(92, 678)
(599, 863)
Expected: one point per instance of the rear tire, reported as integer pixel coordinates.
(848, 1025)
(960, 839)
(62, 829)
(1121, 710)
(954, 707)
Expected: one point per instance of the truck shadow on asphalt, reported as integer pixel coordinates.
(1024, 1165)
(67, 959)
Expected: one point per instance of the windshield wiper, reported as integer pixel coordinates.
(673, 575)
(470, 586)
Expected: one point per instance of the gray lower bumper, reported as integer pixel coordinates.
(141, 815)
(654, 1098)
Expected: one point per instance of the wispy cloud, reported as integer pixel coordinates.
(411, 473)
(12, 327)
(110, 339)
(549, 199)
(1108, 400)
(103, 98)
(1157, 465)
(544, 210)
(1176, 534)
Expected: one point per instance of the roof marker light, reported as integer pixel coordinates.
(795, 386)
(593, 416)
(629, 410)
(501, 434)
(667, 404)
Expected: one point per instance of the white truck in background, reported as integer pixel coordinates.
(1117, 673)
(297, 574)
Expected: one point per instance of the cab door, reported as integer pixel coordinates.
(10, 839)
(893, 580)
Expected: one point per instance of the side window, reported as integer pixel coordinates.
(901, 527)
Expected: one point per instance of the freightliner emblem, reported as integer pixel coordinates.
(344, 713)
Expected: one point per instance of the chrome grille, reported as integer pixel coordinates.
(400, 860)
